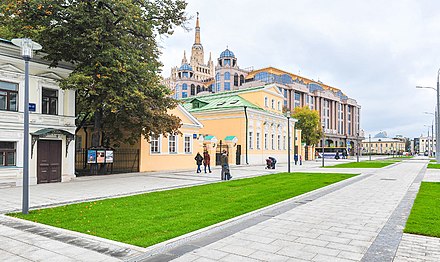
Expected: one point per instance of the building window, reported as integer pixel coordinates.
(155, 144)
(272, 141)
(8, 96)
(273, 104)
(251, 139)
(187, 143)
(7, 154)
(265, 141)
(266, 102)
(235, 79)
(258, 140)
(279, 142)
(184, 94)
(172, 144)
(227, 76)
(279, 105)
(184, 86)
(227, 86)
(50, 102)
(284, 143)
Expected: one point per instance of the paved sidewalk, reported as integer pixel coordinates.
(24, 241)
(340, 226)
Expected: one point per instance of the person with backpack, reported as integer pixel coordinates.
(226, 174)
(199, 160)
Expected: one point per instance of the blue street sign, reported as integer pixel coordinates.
(32, 107)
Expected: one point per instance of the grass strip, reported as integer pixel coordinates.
(434, 166)
(425, 214)
(366, 164)
(147, 219)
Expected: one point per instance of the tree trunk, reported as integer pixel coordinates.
(96, 136)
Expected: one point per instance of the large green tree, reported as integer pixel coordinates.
(113, 47)
(310, 124)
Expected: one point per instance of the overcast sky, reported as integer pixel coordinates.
(374, 51)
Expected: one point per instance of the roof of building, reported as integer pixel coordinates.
(213, 102)
(186, 67)
(227, 53)
(277, 71)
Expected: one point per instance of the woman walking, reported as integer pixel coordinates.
(207, 161)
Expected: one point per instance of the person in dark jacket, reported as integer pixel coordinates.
(337, 155)
(207, 161)
(199, 161)
(226, 173)
(295, 158)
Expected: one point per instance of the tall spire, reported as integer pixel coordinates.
(184, 58)
(197, 38)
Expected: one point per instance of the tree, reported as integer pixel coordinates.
(310, 124)
(113, 46)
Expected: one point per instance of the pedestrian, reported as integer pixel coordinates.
(225, 175)
(337, 155)
(295, 158)
(199, 160)
(207, 161)
(300, 160)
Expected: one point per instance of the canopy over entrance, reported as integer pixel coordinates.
(51, 131)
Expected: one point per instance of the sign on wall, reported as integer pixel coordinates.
(91, 156)
(100, 156)
(109, 156)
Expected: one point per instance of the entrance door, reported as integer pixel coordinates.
(238, 155)
(49, 161)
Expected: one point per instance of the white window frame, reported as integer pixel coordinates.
(272, 141)
(265, 141)
(258, 140)
(251, 138)
(279, 142)
(169, 144)
(190, 146)
(159, 144)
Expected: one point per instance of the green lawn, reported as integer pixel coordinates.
(435, 166)
(366, 164)
(147, 219)
(425, 214)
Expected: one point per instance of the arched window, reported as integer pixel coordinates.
(193, 89)
(184, 87)
(235, 79)
(227, 76)
(198, 89)
(241, 79)
(217, 77)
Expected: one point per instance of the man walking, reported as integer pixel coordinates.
(198, 160)
(225, 175)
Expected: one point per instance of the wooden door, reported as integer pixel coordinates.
(49, 161)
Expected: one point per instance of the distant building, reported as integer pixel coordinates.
(427, 145)
(383, 146)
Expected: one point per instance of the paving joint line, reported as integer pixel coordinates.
(174, 248)
(385, 246)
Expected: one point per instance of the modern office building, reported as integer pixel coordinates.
(427, 145)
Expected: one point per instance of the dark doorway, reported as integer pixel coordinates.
(238, 155)
(49, 161)
(218, 153)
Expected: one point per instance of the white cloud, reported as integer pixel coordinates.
(374, 51)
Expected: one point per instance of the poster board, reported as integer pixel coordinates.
(100, 156)
(109, 156)
(91, 156)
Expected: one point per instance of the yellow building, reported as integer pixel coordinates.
(383, 146)
(248, 123)
(171, 152)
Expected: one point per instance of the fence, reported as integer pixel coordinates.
(124, 161)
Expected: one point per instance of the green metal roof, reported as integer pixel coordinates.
(218, 103)
(223, 94)
(208, 138)
(229, 138)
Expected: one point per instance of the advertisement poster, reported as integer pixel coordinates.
(109, 156)
(91, 156)
(100, 156)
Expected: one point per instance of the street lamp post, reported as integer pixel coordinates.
(27, 46)
(369, 146)
(437, 120)
(357, 143)
(288, 141)
(323, 143)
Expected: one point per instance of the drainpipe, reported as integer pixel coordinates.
(246, 136)
(87, 142)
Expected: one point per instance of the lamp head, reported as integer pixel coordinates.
(27, 46)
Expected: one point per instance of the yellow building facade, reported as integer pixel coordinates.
(253, 118)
